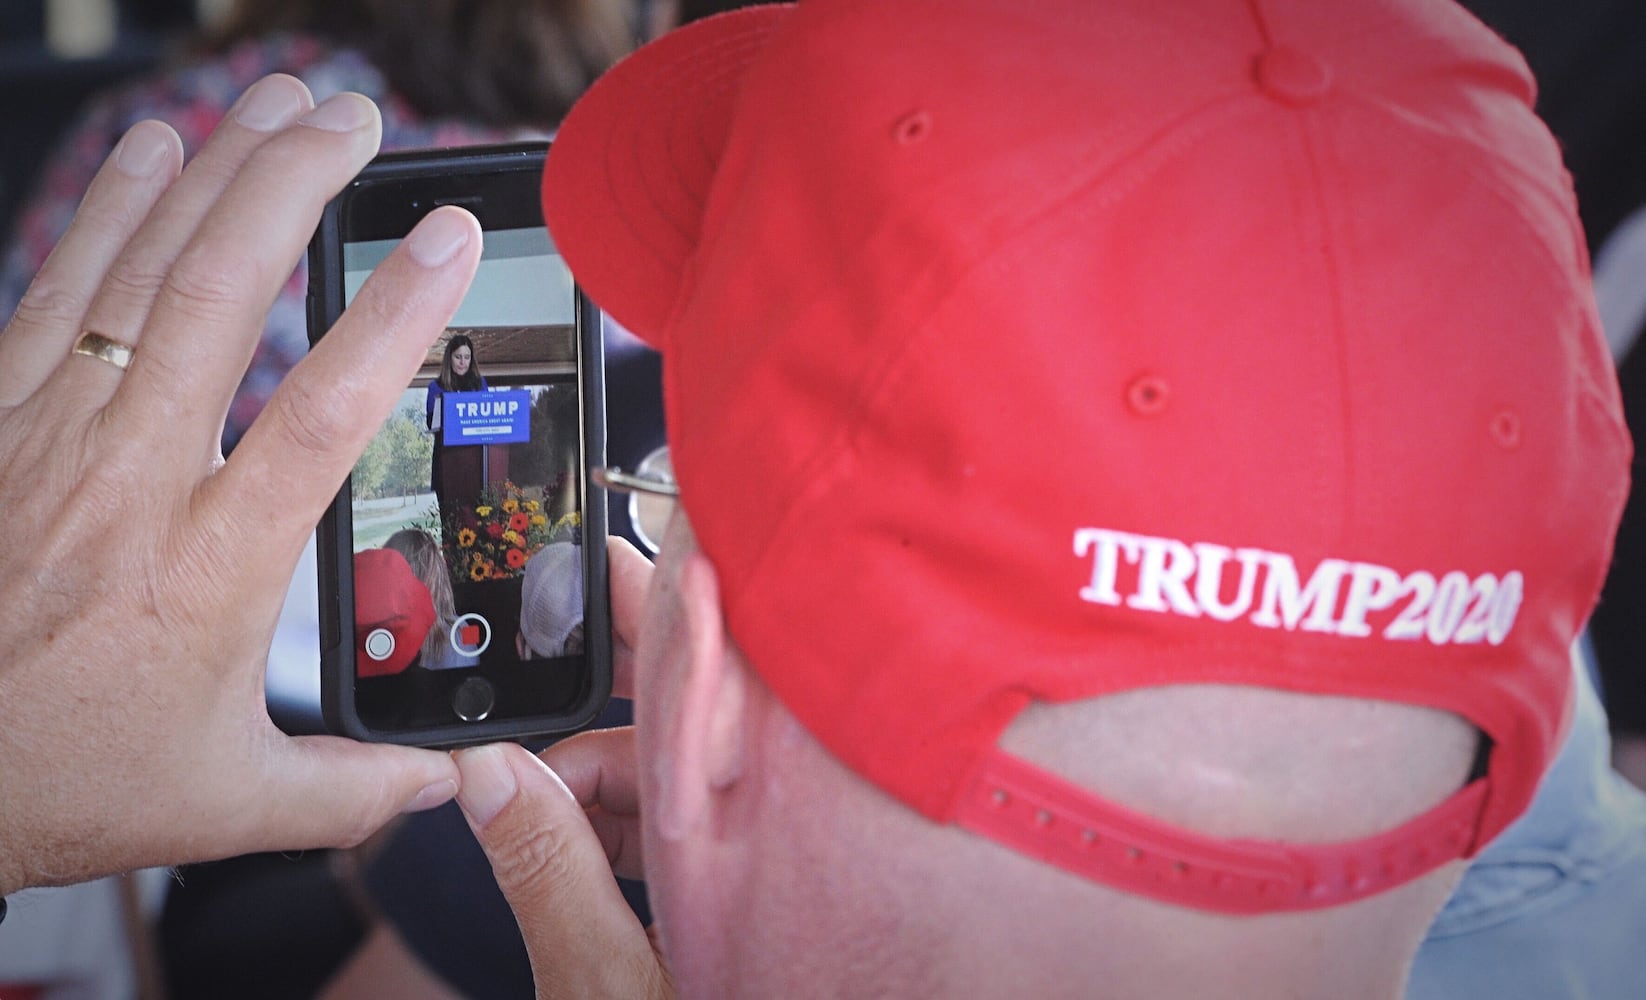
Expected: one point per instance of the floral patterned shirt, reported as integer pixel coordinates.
(192, 98)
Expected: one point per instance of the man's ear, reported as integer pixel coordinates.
(704, 743)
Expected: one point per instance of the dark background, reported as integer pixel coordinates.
(1589, 57)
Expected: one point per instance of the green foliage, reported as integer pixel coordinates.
(553, 447)
(396, 462)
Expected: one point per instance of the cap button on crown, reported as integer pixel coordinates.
(1291, 76)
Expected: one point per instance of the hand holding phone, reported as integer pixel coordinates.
(463, 564)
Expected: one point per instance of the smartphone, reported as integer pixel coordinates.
(462, 567)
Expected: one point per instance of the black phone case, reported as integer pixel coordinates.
(443, 173)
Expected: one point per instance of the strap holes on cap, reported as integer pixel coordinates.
(1134, 855)
(1317, 886)
(1042, 818)
(999, 797)
(1088, 837)
(1147, 395)
(912, 127)
(1506, 429)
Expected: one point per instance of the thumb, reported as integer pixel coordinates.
(579, 931)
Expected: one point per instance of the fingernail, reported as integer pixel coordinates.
(437, 238)
(341, 113)
(271, 103)
(140, 152)
(488, 783)
(436, 794)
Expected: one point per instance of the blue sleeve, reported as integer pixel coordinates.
(429, 402)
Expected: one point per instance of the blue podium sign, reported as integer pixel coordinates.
(502, 416)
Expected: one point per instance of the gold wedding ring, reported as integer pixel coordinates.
(94, 345)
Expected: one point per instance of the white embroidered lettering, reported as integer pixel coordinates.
(1191, 581)
(1371, 588)
(1505, 606)
(1209, 581)
(1479, 613)
(1163, 578)
(1108, 545)
(1285, 604)
(1421, 587)
(1446, 613)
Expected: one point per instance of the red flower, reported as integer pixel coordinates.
(519, 522)
(515, 558)
(494, 530)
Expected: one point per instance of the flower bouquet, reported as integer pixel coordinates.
(493, 540)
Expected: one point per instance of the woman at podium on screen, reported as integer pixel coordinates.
(456, 473)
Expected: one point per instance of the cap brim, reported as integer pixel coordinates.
(630, 169)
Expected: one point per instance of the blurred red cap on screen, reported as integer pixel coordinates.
(392, 613)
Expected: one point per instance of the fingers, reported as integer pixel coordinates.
(211, 307)
(295, 456)
(327, 791)
(53, 310)
(598, 768)
(127, 296)
(582, 937)
(631, 574)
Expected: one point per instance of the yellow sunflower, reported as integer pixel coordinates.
(465, 538)
(483, 511)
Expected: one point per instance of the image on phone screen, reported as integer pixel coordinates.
(467, 508)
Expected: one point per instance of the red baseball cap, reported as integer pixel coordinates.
(1066, 349)
(393, 613)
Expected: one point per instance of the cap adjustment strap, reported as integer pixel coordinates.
(1044, 816)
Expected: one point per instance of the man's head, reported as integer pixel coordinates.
(551, 602)
(1221, 374)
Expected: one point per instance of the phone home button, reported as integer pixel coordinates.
(473, 700)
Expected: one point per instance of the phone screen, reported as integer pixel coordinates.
(466, 510)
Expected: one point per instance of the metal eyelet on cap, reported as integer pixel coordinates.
(1506, 429)
(1148, 395)
(912, 127)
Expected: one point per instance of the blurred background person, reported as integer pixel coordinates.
(423, 554)
(443, 73)
(551, 603)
